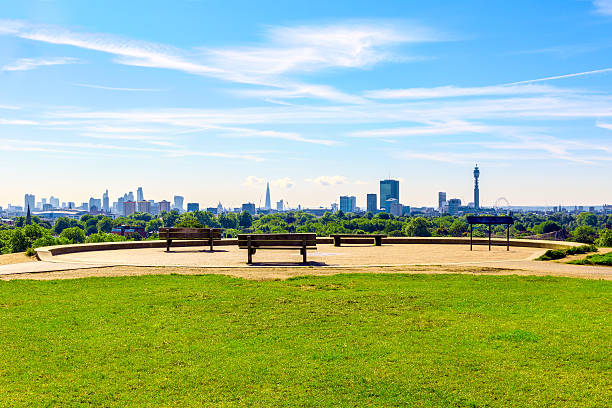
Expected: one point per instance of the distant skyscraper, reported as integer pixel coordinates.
(54, 202)
(193, 207)
(144, 207)
(348, 204)
(249, 207)
(129, 208)
(453, 206)
(372, 204)
(280, 205)
(164, 206)
(476, 190)
(30, 200)
(105, 203)
(95, 204)
(441, 199)
(388, 189)
(268, 201)
(178, 203)
(139, 194)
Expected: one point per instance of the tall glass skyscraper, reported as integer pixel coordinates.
(388, 189)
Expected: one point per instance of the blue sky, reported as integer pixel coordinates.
(211, 99)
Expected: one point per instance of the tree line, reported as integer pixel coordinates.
(587, 228)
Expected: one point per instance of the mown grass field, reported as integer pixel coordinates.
(344, 340)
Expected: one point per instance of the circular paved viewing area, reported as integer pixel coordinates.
(325, 255)
(397, 255)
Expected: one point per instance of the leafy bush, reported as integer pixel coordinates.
(30, 251)
(562, 253)
(104, 237)
(595, 259)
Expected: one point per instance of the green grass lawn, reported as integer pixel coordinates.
(344, 340)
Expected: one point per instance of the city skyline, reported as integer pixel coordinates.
(320, 99)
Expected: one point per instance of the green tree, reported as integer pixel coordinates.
(458, 228)
(246, 219)
(417, 227)
(19, 241)
(605, 238)
(587, 219)
(584, 234)
(547, 226)
(170, 218)
(141, 216)
(105, 225)
(229, 221)
(61, 224)
(187, 220)
(74, 235)
(154, 225)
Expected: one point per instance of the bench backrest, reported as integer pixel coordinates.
(359, 235)
(278, 240)
(189, 233)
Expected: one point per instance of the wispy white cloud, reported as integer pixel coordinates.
(26, 64)
(603, 7)
(454, 91)
(447, 128)
(110, 88)
(310, 48)
(605, 125)
(328, 180)
(288, 50)
(78, 146)
(17, 122)
(597, 71)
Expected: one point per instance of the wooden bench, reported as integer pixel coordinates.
(253, 242)
(377, 238)
(172, 234)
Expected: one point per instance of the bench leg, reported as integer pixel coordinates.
(303, 251)
(337, 241)
(211, 244)
(378, 241)
(168, 242)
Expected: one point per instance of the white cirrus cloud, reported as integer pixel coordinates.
(455, 91)
(309, 48)
(605, 125)
(26, 64)
(328, 180)
(451, 127)
(111, 88)
(603, 7)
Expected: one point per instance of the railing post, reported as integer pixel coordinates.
(489, 237)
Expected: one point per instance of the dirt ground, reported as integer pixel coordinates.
(19, 257)
(276, 273)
